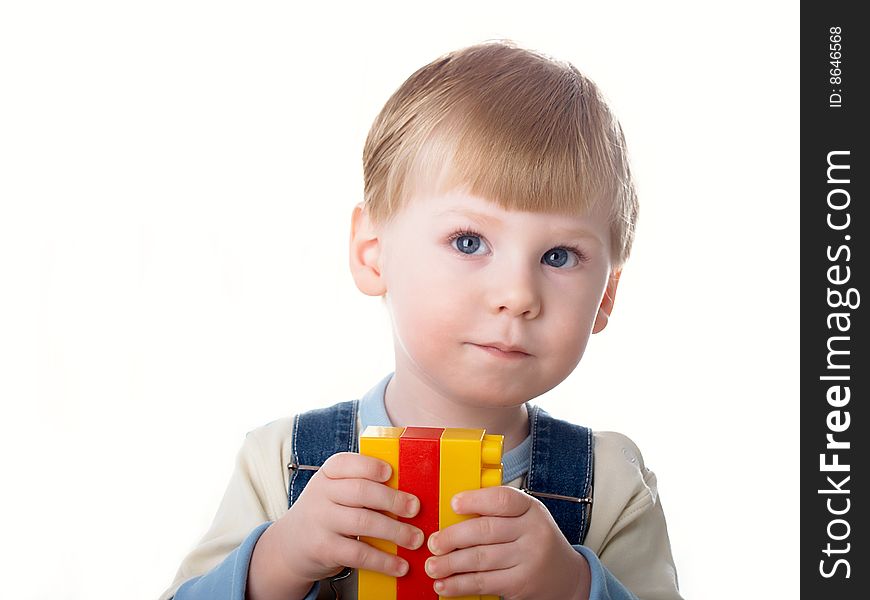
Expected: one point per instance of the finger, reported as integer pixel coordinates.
(474, 584)
(490, 557)
(355, 522)
(498, 501)
(370, 494)
(359, 555)
(345, 465)
(480, 530)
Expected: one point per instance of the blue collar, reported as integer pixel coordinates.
(372, 411)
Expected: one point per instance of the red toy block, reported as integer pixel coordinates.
(419, 474)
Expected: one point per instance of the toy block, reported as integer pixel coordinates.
(419, 465)
(470, 460)
(382, 443)
(434, 464)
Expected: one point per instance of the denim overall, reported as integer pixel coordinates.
(560, 470)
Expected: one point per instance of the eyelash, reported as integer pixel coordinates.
(581, 257)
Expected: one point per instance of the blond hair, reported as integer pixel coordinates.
(515, 126)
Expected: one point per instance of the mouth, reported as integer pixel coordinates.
(503, 351)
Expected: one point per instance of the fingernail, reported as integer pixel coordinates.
(429, 568)
(413, 507)
(439, 586)
(403, 568)
(432, 542)
(454, 503)
(418, 540)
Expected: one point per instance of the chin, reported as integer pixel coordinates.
(486, 397)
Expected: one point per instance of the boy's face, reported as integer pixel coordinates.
(514, 281)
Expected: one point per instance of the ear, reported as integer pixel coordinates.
(606, 306)
(365, 250)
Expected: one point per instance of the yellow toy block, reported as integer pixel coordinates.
(382, 443)
(470, 460)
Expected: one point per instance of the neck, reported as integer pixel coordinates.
(411, 403)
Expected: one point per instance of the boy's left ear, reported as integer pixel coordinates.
(606, 306)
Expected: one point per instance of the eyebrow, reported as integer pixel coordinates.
(485, 219)
(473, 215)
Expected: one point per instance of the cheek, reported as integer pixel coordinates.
(573, 325)
(424, 278)
(425, 302)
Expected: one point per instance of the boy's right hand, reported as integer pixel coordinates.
(316, 537)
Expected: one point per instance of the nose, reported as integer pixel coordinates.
(514, 291)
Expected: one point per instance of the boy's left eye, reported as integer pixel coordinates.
(470, 241)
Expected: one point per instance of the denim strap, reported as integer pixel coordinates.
(317, 435)
(561, 465)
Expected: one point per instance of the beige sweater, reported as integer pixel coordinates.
(627, 529)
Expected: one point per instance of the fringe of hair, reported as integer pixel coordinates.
(515, 126)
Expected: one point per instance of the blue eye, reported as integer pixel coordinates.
(559, 256)
(469, 241)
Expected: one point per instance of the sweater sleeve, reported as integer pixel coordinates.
(217, 567)
(228, 580)
(604, 586)
(630, 554)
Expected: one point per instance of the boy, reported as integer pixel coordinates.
(499, 210)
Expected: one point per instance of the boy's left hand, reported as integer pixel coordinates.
(513, 549)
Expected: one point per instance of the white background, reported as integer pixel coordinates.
(176, 184)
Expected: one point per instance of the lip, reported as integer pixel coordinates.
(504, 350)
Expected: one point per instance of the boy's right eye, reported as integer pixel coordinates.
(468, 241)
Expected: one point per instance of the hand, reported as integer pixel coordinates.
(316, 538)
(513, 549)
